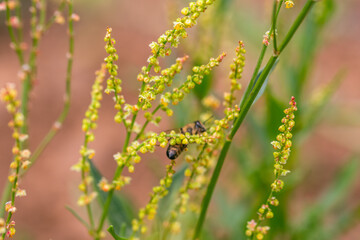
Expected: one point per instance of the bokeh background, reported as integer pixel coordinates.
(319, 53)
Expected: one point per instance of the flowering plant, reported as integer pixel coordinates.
(191, 187)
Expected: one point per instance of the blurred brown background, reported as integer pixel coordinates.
(50, 184)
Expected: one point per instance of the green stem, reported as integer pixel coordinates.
(296, 24)
(224, 150)
(252, 80)
(273, 27)
(25, 96)
(268, 202)
(52, 132)
(52, 19)
(146, 123)
(8, 187)
(86, 190)
(14, 184)
(21, 27)
(30, 76)
(129, 131)
(14, 41)
(83, 177)
(42, 17)
(4, 197)
(105, 211)
(246, 106)
(106, 207)
(263, 51)
(107, 204)
(210, 189)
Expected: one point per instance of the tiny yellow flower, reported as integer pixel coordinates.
(9, 207)
(20, 193)
(289, 4)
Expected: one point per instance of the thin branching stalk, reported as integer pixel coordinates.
(127, 140)
(148, 69)
(146, 123)
(52, 132)
(52, 20)
(296, 24)
(128, 133)
(107, 205)
(273, 26)
(42, 15)
(13, 189)
(171, 36)
(16, 42)
(89, 123)
(272, 32)
(21, 26)
(4, 197)
(256, 70)
(20, 156)
(248, 101)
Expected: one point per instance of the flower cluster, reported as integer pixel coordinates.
(199, 72)
(289, 3)
(282, 146)
(2, 227)
(156, 84)
(14, 21)
(8, 95)
(161, 49)
(200, 166)
(113, 82)
(88, 125)
(152, 85)
(150, 209)
(195, 173)
(132, 156)
(236, 73)
(11, 4)
(266, 38)
(7, 230)
(177, 94)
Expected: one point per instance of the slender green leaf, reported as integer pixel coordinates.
(263, 87)
(121, 211)
(115, 236)
(77, 216)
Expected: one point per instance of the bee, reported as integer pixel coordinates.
(173, 151)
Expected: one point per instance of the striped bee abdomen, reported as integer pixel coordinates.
(174, 151)
(196, 127)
